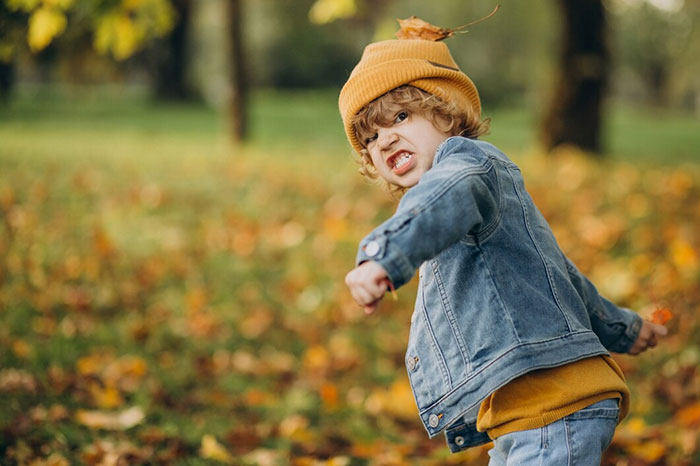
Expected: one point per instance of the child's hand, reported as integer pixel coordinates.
(648, 336)
(367, 283)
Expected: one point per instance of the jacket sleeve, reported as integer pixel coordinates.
(457, 196)
(616, 327)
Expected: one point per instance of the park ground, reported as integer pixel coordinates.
(166, 298)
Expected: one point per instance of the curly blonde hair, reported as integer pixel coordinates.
(445, 116)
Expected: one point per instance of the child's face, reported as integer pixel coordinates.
(403, 151)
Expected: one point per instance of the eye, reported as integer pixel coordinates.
(401, 116)
(370, 139)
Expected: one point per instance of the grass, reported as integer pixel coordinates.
(309, 119)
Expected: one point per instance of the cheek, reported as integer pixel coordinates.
(376, 161)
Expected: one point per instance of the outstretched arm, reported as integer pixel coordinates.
(456, 197)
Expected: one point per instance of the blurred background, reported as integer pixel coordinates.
(179, 207)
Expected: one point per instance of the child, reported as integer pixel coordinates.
(508, 340)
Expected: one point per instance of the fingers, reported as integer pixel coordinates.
(648, 337)
(367, 284)
(371, 308)
(658, 330)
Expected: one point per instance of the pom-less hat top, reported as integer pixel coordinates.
(389, 64)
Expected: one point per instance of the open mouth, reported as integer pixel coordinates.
(400, 162)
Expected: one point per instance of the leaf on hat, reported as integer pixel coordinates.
(416, 28)
(413, 28)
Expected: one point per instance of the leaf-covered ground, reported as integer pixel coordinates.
(164, 300)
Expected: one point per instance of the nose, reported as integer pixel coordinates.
(386, 138)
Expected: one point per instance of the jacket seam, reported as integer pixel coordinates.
(487, 231)
(500, 298)
(440, 190)
(528, 227)
(501, 356)
(433, 342)
(450, 316)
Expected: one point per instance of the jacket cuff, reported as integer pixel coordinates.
(396, 264)
(634, 325)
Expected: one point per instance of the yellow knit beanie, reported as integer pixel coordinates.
(389, 64)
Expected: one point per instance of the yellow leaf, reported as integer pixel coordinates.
(650, 451)
(637, 426)
(212, 450)
(316, 358)
(45, 24)
(296, 428)
(92, 364)
(21, 349)
(326, 11)
(106, 397)
(117, 33)
(683, 255)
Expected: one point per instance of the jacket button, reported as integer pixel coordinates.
(412, 363)
(372, 248)
(433, 421)
(459, 441)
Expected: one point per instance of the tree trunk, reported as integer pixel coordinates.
(574, 114)
(7, 81)
(171, 61)
(237, 107)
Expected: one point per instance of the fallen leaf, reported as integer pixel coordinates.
(689, 415)
(211, 449)
(650, 451)
(109, 420)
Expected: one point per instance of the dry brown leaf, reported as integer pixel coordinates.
(415, 28)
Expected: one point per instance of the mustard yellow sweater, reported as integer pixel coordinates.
(543, 396)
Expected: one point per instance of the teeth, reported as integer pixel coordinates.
(401, 160)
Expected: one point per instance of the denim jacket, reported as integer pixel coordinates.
(497, 297)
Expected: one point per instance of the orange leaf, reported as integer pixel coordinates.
(416, 28)
(661, 315)
(329, 395)
(102, 242)
(689, 415)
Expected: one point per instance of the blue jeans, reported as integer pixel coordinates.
(577, 439)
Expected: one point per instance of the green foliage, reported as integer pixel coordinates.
(120, 28)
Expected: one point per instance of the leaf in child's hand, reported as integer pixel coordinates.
(661, 315)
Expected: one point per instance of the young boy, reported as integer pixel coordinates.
(508, 340)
